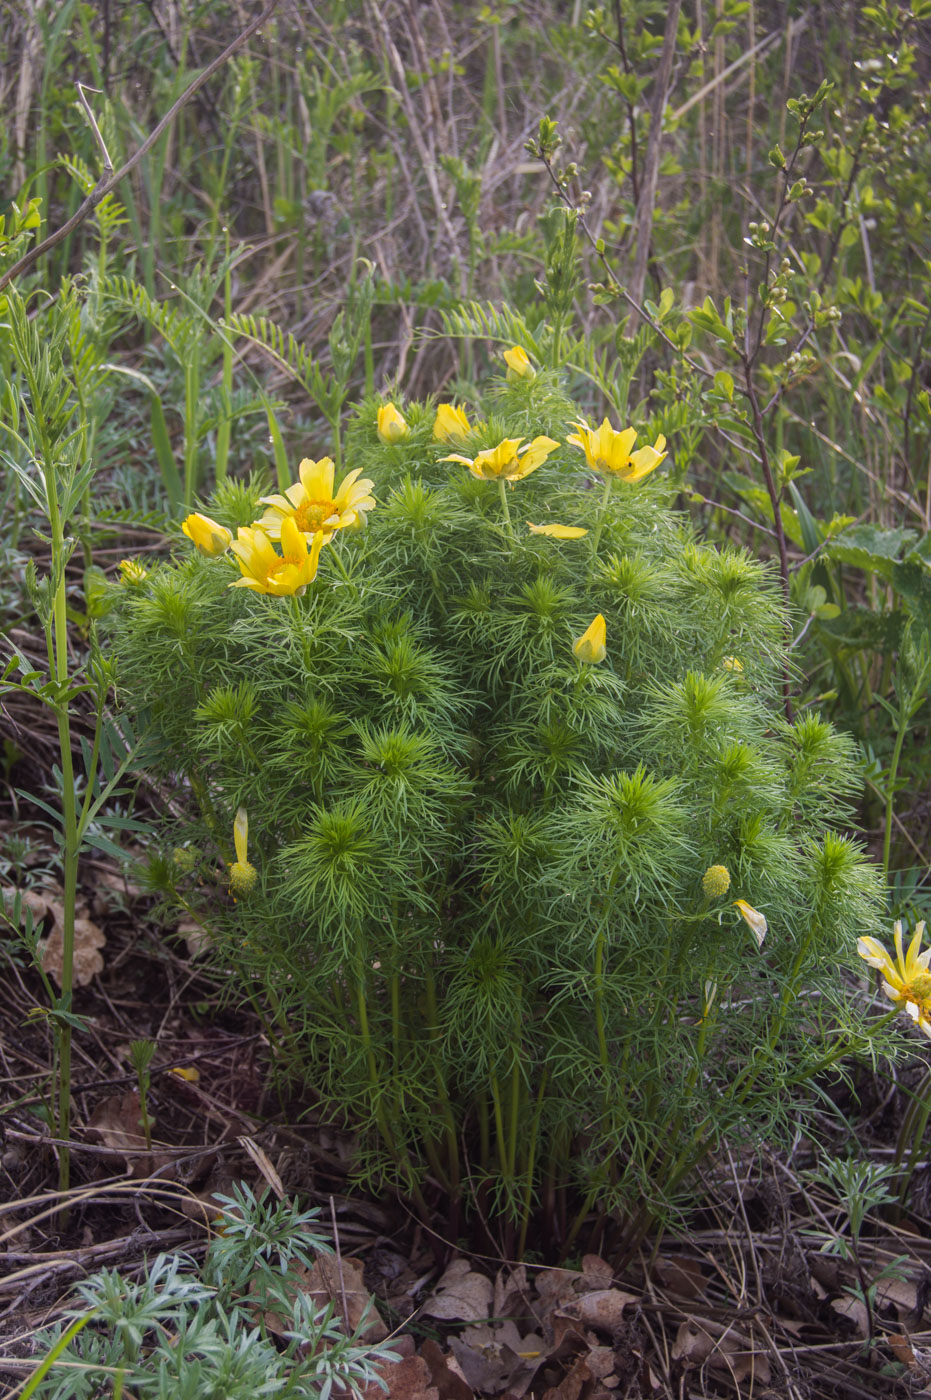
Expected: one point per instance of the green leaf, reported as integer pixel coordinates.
(724, 384)
(870, 548)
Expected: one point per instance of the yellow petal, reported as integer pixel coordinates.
(754, 919)
(241, 834)
(561, 532)
(316, 480)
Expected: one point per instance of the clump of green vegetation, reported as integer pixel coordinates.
(492, 807)
(240, 1325)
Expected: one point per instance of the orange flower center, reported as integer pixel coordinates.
(283, 563)
(311, 515)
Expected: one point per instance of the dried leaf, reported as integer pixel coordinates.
(723, 1348)
(116, 1122)
(510, 1291)
(450, 1384)
(855, 1309)
(603, 1309)
(408, 1378)
(89, 938)
(570, 1387)
(681, 1275)
(596, 1273)
(195, 936)
(326, 1285)
(461, 1295)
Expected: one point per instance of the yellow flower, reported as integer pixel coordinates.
(392, 425)
(132, 572)
(269, 572)
(209, 537)
(755, 920)
(187, 1072)
(731, 663)
(716, 881)
(242, 875)
(590, 647)
(607, 450)
(558, 532)
(451, 422)
(906, 981)
(507, 461)
(518, 363)
(313, 505)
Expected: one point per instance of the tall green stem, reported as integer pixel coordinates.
(602, 514)
(505, 508)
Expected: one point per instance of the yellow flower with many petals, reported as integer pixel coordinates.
(242, 875)
(508, 461)
(392, 425)
(518, 363)
(609, 451)
(209, 537)
(266, 571)
(313, 505)
(754, 920)
(906, 981)
(590, 647)
(558, 532)
(451, 422)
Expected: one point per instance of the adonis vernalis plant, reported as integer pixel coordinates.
(545, 897)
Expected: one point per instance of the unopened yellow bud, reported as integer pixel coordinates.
(392, 425)
(209, 537)
(590, 647)
(518, 363)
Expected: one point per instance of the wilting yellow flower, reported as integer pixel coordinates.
(508, 461)
(187, 1072)
(242, 875)
(451, 422)
(558, 532)
(906, 981)
(716, 881)
(209, 537)
(731, 663)
(132, 572)
(269, 572)
(607, 450)
(518, 363)
(590, 647)
(313, 505)
(753, 917)
(392, 425)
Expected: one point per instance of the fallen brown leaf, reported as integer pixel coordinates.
(116, 1121)
(330, 1281)
(89, 938)
(450, 1384)
(461, 1295)
(723, 1348)
(603, 1310)
(570, 1387)
(681, 1275)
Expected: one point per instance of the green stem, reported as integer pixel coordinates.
(602, 513)
(505, 508)
(530, 1164)
(890, 789)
